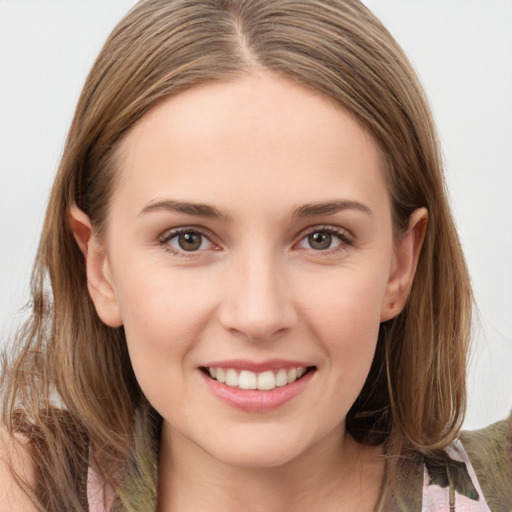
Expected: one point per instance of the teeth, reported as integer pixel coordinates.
(247, 380)
(292, 375)
(232, 378)
(281, 378)
(221, 374)
(264, 381)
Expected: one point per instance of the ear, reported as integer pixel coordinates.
(405, 260)
(99, 277)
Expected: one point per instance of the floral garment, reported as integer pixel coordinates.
(453, 487)
(476, 477)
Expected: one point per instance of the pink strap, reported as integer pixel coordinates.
(100, 497)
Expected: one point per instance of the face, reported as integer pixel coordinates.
(249, 241)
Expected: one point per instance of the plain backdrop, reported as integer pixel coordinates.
(462, 51)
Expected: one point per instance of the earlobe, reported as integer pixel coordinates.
(100, 283)
(406, 255)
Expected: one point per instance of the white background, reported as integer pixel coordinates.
(462, 50)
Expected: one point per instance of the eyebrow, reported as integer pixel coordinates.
(205, 210)
(330, 208)
(197, 209)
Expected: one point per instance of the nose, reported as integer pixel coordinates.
(257, 300)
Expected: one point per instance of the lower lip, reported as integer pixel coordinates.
(253, 400)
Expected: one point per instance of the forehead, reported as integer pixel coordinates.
(261, 137)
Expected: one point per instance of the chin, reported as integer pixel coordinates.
(260, 448)
(258, 456)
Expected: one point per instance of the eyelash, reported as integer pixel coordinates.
(173, 233)
(346, 239)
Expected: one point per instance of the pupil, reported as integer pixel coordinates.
(320, 241)
(189, 241)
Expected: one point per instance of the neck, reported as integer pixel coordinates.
(336, 475)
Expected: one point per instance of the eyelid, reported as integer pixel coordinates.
(345, 236)
(171, 233)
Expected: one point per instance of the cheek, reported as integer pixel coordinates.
(163, 318)
(345, 316)
(163, 313)
(349, 300)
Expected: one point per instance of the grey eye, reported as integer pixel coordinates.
(189, 241)
(320, 240)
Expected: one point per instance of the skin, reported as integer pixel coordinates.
(256, 149)
(15, 455)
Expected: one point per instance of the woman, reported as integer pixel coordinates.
(258, 297)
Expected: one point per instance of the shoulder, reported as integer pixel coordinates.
(15, 457)
(490, 453)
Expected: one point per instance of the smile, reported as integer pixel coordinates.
(257, 386)
(262, 381)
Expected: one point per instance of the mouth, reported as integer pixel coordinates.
(267, 380)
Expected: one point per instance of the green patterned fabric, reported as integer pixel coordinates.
(475, 475)
(483, 482)
(490, 453)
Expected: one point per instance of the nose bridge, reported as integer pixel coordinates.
(257, 300)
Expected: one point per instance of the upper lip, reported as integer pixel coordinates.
(257, 366)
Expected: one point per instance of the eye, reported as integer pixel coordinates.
(324, 239)
(320, 241)
(186, 240)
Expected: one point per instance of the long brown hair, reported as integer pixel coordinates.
(70, 387)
